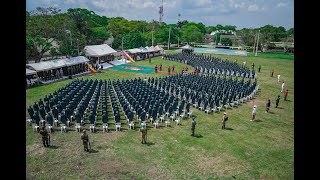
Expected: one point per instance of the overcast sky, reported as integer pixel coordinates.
(241, 13)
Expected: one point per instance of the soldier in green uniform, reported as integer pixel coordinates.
(143, 131)
(193, 126)
(85, 140)
(45, 137)
(224, 120)
(277, 101)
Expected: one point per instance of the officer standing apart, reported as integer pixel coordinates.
(268, 106)
(254, 112)
(85, 140)
(143, 131)
(277, 101)
(224, 120)
(193, 126)
(45, 137)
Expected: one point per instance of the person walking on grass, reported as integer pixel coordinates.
(282, 86)
(224, 120)
(285, 95)
(268, 106)
(143, 131)
(254, 113)
(193, 126)
(272, 72)
(277, 101)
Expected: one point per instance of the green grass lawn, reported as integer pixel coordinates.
(273, 55)
(247, 150)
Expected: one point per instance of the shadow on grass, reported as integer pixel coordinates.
(53, 147)
(198, 136)
(279, 107)
(258, 120)
(270, 112)
(230, 129)
(150, 143)
(93, 151)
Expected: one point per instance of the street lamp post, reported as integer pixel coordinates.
(78, 46)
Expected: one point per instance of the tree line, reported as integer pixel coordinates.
(77, 27)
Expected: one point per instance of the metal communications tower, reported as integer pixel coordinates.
(161, 13)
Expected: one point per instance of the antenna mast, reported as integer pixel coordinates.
(161, 13)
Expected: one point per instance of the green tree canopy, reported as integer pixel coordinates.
(226, 42)
(191, 33)
(133, 39)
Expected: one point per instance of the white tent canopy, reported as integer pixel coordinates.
(30, 72)
(158, 48)
(76, 60)
(187, 47)
(98, 50)
(42, 66)
(135, 50)
(151, 49)
(57, 63)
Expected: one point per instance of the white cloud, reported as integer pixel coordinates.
(253, 7)
(281, 4)
(236, 4)
(210, 12)
(70, 1)
(202, 2)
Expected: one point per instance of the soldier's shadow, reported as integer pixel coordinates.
(93, 151)
(150, 143)
(198, 136)
(53, 147)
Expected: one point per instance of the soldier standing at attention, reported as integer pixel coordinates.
(277, 101)
(193, 126)
(259, 68)
(268, 106)
(169, 70)
(156, 68)
(282, 86)
(143, 131)
(285, 95)
(30, 111)
(85, 140)
(45, 137)
(254, 112)
(224, 120)
(160, 67)
(172, 68)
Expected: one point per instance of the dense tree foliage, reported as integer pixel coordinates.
(226, 42)
(133, 39)
(77, 27)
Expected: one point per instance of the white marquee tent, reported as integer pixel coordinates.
(98, 50)
(57, 63)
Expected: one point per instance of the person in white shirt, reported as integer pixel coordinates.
(254, 112)
(278, 78)
(282, 86)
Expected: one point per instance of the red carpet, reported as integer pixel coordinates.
(111, 63)
(166, 72)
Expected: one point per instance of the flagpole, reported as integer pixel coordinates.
(254, 46)
(169, 39)
(257, 43)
